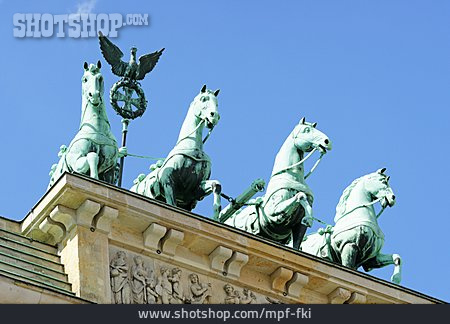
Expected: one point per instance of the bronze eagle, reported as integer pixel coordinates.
(131, 70)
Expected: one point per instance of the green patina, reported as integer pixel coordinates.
(356, 239)
(183, 178)
(93, 151)
(285, 210)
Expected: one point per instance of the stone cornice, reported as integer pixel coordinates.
(146, 226)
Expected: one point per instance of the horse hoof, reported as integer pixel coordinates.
(396, 278)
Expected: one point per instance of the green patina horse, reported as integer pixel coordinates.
(94, 150)
(285, 210)
(182, 179)
(356, 239)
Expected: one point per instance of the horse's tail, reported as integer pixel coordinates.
(310, 243)
(318, 243)
(245, 219)
(147, 185)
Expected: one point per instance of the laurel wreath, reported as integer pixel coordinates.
(142, 101)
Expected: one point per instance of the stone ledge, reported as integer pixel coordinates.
(17, 292)
(190, 240)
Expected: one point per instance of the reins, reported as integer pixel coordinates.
(330, 227)
(315, 165)
(302, 161)
(203, 120)
(296, 164)
(366, 205)
(178, 142)
(195, 129)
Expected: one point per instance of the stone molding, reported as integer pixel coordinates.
(219, 257)
(339, 296)
(62, 220)
(199, 245)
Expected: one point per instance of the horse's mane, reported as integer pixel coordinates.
(342, 205)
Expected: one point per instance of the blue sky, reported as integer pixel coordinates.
(375, 75)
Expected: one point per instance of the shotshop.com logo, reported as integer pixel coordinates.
(78, 25)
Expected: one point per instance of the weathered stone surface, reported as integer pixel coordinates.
(195, 259)
(295, 285)
(219, 257)
(153, 235)
(339, 296)
(356, 298)
(171, 241)
(86, 260)
(15, 292)
(279, 279)
(163, 282)
(234, 265)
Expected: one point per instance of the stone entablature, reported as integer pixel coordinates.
(92, 222)
(138, 279)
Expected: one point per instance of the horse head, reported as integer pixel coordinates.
(307, 137)
(205, 107)
(377, 185)
(92, 84)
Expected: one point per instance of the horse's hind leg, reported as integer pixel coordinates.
(82, 159)
(167, 185)
(349, 254)
(88, 163)
(213, 186)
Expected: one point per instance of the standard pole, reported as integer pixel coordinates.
(125, 123)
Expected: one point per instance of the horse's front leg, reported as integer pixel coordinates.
(82, 158)
(278, 207)
(83, 164)
(213, 186)
(92, 159)
(382, 260)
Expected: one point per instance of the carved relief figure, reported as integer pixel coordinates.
(198, 293)
(139, 276)
(177, 289)
(232, 296)
(164, 287)
(132, 282)
(150, 288)
(248, 297)
(273, 301)
(120, 287)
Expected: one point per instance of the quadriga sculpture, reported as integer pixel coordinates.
(93, 151)
(356, 239)
(183, 178)
(285, 209)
